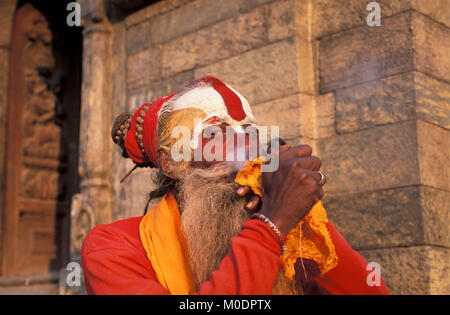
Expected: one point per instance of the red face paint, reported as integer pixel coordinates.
(229, 145)
(232, 101)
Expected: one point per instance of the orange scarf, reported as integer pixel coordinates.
(310, 239)
(163, 241)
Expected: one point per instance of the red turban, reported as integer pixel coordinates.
(150, 134)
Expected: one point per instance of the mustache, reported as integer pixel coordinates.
(220, 171)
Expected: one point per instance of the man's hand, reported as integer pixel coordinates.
(291, 191)
(253, 203)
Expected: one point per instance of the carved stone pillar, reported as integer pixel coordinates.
(92, 206)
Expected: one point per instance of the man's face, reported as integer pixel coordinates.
(221, 125)
(224, 143)
(205, 142)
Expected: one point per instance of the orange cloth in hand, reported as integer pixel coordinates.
(310, 239)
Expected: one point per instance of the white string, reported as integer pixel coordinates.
(301, 255)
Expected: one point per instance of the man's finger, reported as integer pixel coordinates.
(311, 163)
(298, 152)
(243, 190)
(284, 148)
(253, 204)
(286, 152)
(319, 177)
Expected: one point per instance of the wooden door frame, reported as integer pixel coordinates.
(13, 156)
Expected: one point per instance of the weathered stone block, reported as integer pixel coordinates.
(375, 103)
(317, 116)
(199, 14)
(439, 271)
(138, 37)
(436, 217)
(413, 270)
(169, 85)
(403, 43)
(282, 21)
(396, 98)
(118, 71)
(404, 216)
(30, 289)
(303, 119)
(143, 67)
(433, 154)
(432, 100)
(262, 74)
(335, 16)
(438, 10)
(378, 219)
(157, 89)
(366, 53)
(136, 98)
(379, 158)
(150, 11)
(298, 141)
(284, 113)
(220, 41)
(432, 46)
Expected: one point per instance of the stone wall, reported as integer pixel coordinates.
(388, 188)
(372, 101)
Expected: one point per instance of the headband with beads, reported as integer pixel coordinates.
(141, 140)
(122, 131)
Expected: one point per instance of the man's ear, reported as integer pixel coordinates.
(164, 160)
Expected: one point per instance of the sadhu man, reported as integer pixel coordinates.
(208, 235)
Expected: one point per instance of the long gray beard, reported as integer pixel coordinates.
(212, 214)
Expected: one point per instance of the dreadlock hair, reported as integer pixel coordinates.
(164, 184)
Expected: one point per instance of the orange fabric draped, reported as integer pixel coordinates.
(310, 239)
(161, 237)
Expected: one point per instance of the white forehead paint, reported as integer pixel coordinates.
(211, 102)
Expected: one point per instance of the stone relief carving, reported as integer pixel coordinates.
(41, 135)
(83, 220)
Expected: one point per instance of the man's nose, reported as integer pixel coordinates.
(242, 145)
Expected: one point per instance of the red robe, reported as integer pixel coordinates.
(115, 262)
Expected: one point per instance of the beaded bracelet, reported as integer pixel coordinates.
(274, 228)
